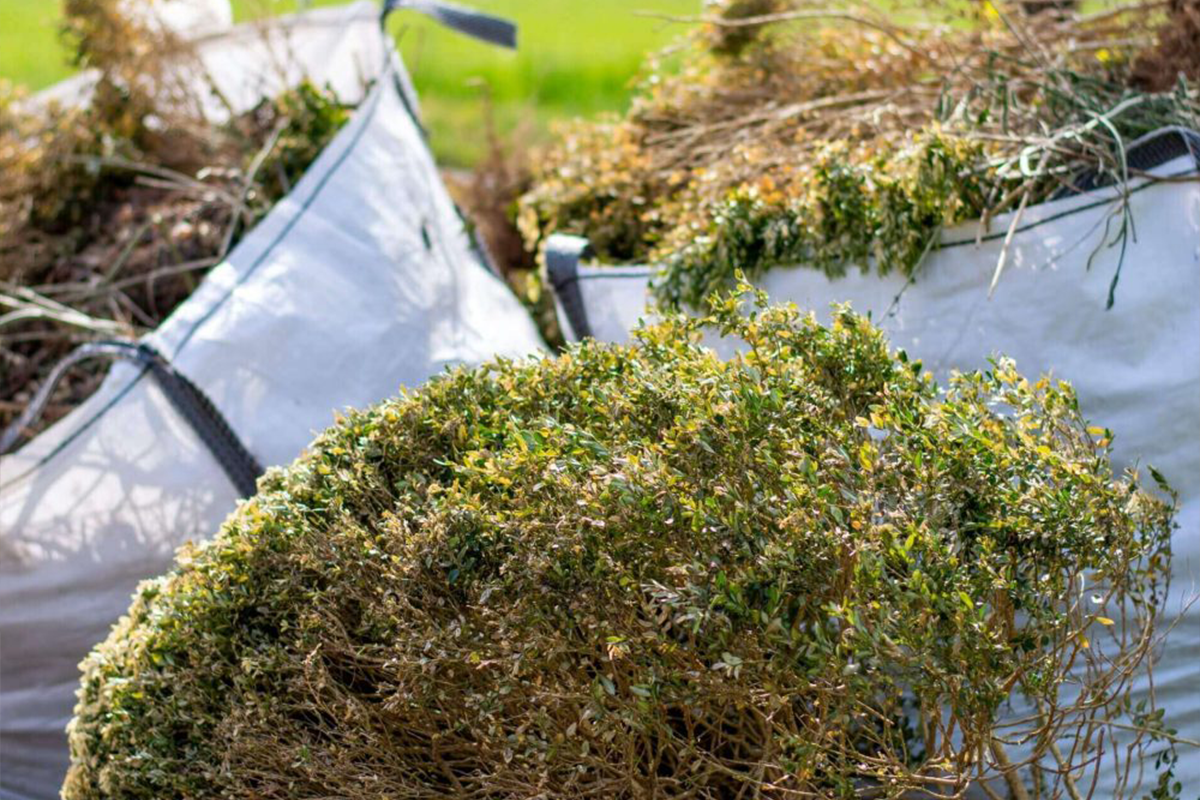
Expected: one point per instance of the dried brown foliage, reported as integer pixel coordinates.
(1177, 52)
(488, 196)
(850, 134)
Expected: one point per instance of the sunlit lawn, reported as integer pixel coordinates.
(576, 57)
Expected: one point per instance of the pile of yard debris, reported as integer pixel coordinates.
(785, 132)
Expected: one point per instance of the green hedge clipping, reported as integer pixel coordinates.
(646, 571)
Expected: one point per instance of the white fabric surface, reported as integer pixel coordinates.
(185, 17)
(1136, 367)
(334, 46)
(334, 300)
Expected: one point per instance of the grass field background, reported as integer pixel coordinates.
(576, 57)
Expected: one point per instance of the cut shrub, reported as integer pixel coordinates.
(646, 571)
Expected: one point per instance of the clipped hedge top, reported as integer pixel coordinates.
(634, 571)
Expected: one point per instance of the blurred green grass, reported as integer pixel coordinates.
(576, 57)
(29, 50)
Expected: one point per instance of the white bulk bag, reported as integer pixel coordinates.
(362, 280)
(182, 17)
(1136, 366)
(338, 47)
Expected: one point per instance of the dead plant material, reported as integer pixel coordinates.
(1177, 52)
(488, 196)
(847, 134)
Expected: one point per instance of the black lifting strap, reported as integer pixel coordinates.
(464, 20)
(185, 397)
(563, 254)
